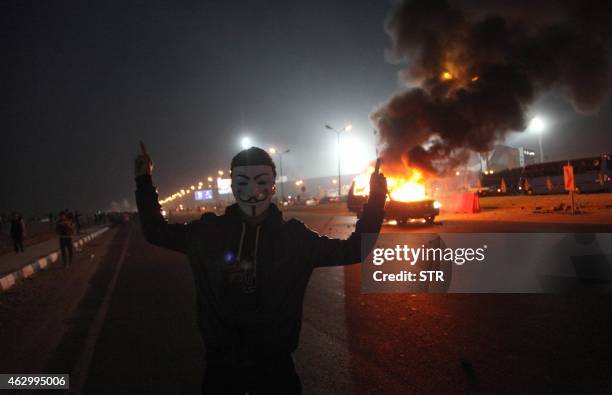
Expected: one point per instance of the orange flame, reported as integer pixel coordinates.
(447, 76)
(407, 187)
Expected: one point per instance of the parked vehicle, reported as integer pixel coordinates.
(402, 212)
(504, 182)
(593, 174)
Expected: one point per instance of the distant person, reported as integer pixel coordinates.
(18, 232)
(251, 270)
(65, 231)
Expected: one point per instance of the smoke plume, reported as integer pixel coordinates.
(472, 71)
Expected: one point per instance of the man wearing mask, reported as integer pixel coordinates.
(251, 269)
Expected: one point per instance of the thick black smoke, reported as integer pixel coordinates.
(474, 69)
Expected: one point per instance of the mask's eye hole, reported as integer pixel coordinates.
(261, 183)
(243, 184)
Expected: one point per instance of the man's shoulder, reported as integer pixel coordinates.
(211, 220)
(208, 225)
(209, 216)
(207, 219)
(294, 226)
(293, 223)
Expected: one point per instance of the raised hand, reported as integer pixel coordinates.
(143, 165)
(378, 182)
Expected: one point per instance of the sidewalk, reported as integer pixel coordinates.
(14, 267)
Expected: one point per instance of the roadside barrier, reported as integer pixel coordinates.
(8, 280)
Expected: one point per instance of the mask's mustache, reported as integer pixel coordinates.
(260, 197)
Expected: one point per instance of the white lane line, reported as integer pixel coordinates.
(81, 370)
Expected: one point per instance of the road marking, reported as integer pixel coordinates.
(81, 369)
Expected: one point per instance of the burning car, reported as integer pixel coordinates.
(407, 199)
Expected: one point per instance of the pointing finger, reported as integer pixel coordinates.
(143, 149)
(377, 167)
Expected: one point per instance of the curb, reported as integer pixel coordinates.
(29, 270)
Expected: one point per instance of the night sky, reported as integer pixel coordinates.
(81, 84)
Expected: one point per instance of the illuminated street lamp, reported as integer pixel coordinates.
(220, 173)
(538, 126)
(245, 143)
(210, 179)
(347, 128)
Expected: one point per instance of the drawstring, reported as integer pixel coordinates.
(241, 241)
(255, 253)
(256, 246)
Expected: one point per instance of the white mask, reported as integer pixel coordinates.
(253, 188)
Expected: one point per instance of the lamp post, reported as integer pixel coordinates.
(538, 125)
(280, 165)
(347, 128)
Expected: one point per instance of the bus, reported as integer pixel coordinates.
(593, 174)
(504, 182)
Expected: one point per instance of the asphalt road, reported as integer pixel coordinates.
(124, 322)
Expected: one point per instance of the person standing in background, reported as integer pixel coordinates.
(18, 232)
(65, 231)
(77, 222)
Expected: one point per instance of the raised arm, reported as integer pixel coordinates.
(156, 229)
(335, 252)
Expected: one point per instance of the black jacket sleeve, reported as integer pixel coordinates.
(334, 252)
(156, 229)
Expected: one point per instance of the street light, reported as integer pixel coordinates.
(245, 143)
(347, 128)
(538, 125)
(280, 165)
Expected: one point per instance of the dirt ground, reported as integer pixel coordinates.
(594, 208)
(591, 208)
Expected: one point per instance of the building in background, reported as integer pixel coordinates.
(503, 157)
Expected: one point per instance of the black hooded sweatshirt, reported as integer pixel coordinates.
(250, 280)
